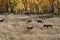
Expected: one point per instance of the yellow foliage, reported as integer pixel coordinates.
(55, 7)
(28, 4)
(20, 6)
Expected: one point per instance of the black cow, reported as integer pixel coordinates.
(47, 26)
(30, 27)
(29, 21)
(1, 20)
(39, 21)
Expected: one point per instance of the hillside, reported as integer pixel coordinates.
(29, 20)
(18, 27)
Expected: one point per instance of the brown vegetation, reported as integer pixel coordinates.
(15, 28)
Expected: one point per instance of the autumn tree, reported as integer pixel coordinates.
(8, 5)
(2, 5)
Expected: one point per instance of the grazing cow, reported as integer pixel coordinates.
(1, 20)
(47, 26)
(30, 27)
(29, 21)
(39, 21)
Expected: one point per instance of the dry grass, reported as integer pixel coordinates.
(13, 28)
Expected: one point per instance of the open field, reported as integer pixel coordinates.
(18, 27)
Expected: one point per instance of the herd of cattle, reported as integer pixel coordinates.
(30, 20)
